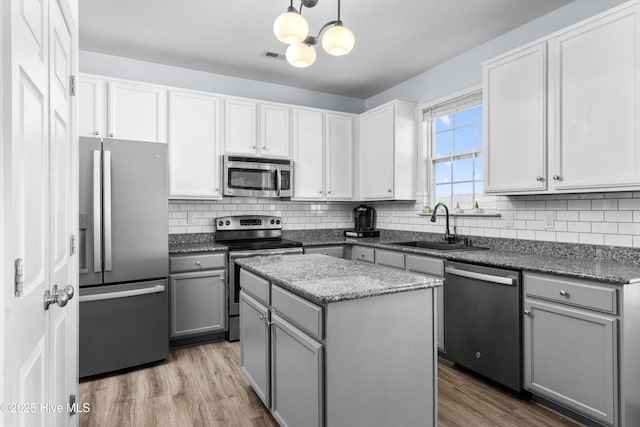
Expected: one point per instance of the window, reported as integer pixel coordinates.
(454, 144)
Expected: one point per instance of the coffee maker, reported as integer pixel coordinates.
(364, 223)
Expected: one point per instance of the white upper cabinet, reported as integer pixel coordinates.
(92, 112)
(240, 127)
(308, 154)
(587, 112)
(388, 143)
(594, 104)
(194, 146)
(137, 112)
(339, 156)
(514, 121)
(275, 140)
(256, 129)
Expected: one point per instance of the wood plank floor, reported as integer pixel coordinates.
(203, 386)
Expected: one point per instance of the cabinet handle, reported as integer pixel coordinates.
(198, 263)
(264, 147)
(389, 191)
(527, 313)
(362, 255)
(96, 133)
(556, 177)
(262, 316)
(111, 135)
(539, 178)
(564, 293)
(329, 192)
(253, 146)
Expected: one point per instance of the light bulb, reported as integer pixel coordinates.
(291, 27)
(300, 55)
(338, 40)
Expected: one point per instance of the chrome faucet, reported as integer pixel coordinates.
(448, 237)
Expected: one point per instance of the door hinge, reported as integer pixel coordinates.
(74, 244)
(73, 85)
(19, 276)
(72, 405)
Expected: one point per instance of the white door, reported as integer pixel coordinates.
(308, 148)
(38, 213)
(240, 127)
(377, 153)
(339, 157)
(92, 113)
(62, 326)
(275, 140)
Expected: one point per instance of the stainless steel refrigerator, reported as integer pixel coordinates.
(123, 254)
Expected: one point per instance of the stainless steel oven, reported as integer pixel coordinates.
(248, 236)
(256, 176)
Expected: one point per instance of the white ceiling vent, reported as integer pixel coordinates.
(273, 55)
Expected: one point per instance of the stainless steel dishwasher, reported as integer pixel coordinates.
(483, 322)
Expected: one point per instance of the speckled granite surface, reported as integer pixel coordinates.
(193, 242)
(325, 279)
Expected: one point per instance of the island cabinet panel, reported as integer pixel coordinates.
(255, 286)
(359, 253)
(390, 259)
(255, 348)
(304, 314)
(297, 376)
(383, 340)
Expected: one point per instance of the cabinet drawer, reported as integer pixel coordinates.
(425, 265)
(572, 292)
(255, 286)
(362, 254)
(390, 259)
(178, 263)
(336, 251)
(302, 313)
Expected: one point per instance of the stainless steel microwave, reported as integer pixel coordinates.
(256, 176)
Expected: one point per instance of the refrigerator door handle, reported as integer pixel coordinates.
(107, 211)
(97, 208)
(123, 294)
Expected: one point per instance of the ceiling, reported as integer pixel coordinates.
(395, 39)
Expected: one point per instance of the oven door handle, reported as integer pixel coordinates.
(260, 253)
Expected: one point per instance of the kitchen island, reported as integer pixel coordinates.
(326, 341)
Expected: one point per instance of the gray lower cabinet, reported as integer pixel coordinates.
(198, 303)
(331, 250)
(296, 376)
(254, 351)
(571, 353)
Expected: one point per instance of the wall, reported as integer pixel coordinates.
(132, 69)
(596, 218)
(465, 70)
(295, 215)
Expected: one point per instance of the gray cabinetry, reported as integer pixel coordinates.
(198, 298)
(571, 353)
(254, 351)
(331, 250)
(296, 376)
(359, 253)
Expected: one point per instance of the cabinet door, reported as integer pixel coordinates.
(594, 89)
(297, 376)
(514, 122)
(198, 303)
(376, 153)
(137, 112)
(570, 356)
(240, 127)
(92, 110)
(275, 140)
(194, 146)
(339, 156)
(254, 346)
(308, 144)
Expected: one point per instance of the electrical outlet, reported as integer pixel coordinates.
(190, 217)
(549, 220)
(508, 219)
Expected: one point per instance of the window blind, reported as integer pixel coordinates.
(453, 105)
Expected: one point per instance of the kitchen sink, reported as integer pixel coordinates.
(438, 246)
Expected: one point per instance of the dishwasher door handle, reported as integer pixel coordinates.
(501, 280)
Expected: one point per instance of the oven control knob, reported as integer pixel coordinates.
(220, 223)
(227, 222)
(272, 221)
(278, 221)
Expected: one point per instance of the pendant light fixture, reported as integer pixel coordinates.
(338, 40)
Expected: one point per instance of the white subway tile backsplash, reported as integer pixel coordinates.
(618, 216)
(592, 238)
(604, 204)
(629, 204)
(604, 227)
(592, 216)
(618, 240)
(579, 205)
(567, 237)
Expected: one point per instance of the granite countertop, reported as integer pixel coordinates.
(604, 271)
(326, 279)
(176, 248)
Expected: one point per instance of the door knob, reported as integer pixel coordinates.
(58, 296)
